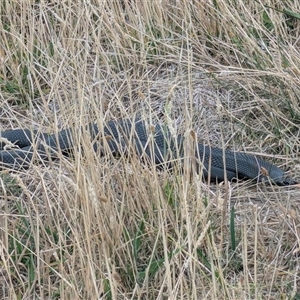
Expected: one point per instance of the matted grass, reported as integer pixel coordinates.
(95, 227)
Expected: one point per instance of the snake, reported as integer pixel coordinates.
(155, 143)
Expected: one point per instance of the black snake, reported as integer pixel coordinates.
(149, 143)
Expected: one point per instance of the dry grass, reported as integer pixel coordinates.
(105, 228)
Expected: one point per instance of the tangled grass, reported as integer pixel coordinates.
(107, 228)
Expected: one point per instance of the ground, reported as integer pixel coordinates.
(91, 227)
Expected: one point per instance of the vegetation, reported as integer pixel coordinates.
(91, 227)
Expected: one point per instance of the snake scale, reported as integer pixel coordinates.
(151, 143)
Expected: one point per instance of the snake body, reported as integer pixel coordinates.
(152, 143)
